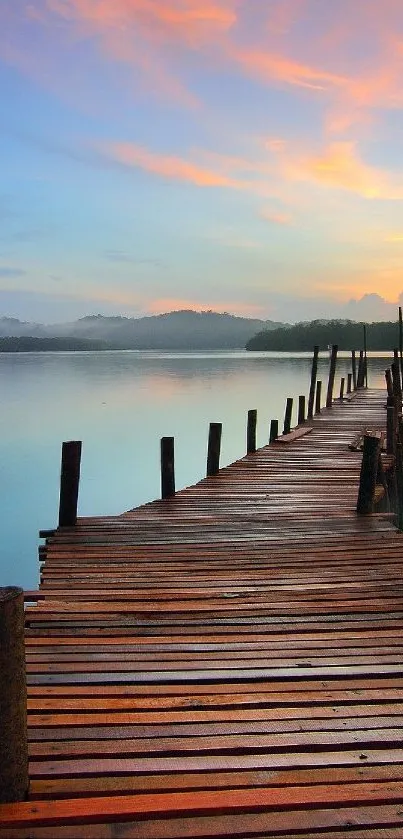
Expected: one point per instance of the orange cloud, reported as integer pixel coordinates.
(340, 167)
(167, 166)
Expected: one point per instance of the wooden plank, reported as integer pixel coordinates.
(225, 663)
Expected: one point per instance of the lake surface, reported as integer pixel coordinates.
(120, 404)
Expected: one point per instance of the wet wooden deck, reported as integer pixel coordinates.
(227, 663)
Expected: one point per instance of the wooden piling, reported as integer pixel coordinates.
(360, 374)
(69, 483)
(365, 360)
(342, 382)
(214, 449)
(332, 373)
(401, 342)
(349, 382)
(251, 431)
(397, 374)
(399, 484)
(389, 383)
(369, 470)
(301, 410)
(390, 425)
(167, 467)
(273, 431)
(396, 385)
(318, 397)
(14, 780)
(312, 389)
(354, 369)
(288, 415)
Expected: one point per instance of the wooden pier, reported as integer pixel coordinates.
(227, 662)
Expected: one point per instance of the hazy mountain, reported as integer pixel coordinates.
(12, 327)
(172, 331)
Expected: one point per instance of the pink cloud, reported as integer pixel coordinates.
(276, 218)
(167, 166)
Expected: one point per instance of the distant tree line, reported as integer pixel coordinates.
(346, 334)
(28, 344)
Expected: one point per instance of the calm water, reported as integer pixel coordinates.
(120, 404)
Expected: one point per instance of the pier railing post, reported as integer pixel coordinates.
(251, 431)
(301, 410)
(273, 431)
(167, 467)
(69, 483)
(332, 373)
(14, 779)
(318, 397)
(342, 383)
(288, 415)
(214, 448)
(354, 369)
(389, 383)
(399, 484)
(390, 425)
(349, 382)
(368, 475)
(396, 385)
(361, 371)
(312, 388)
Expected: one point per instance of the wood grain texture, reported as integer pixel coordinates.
(227, 662)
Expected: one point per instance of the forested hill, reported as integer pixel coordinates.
(346, 334)
(27, 343)
(182, 330)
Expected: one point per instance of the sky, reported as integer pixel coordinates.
(236, 155)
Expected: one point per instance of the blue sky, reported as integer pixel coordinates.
(239, 155)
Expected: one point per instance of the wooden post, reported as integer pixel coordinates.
(69, 483)
(301, 410)
(401, 342)
(214, 448)
(365, 370)
(251, 431)
(273, 431)
(389, 383)
(369, 470)
(167, 467)
(397, 393)
(354, 369)
(14, 780)
(318, 397)
(390, 425)
(287, 416)
(312, 389)
(342, 381)
(399, 485)
(349, 382)
(397, 376)
(381, 479)
(360, 375)
(332, 373)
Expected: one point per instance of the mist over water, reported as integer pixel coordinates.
(120, 404)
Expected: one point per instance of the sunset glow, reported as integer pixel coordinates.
(234, 155)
